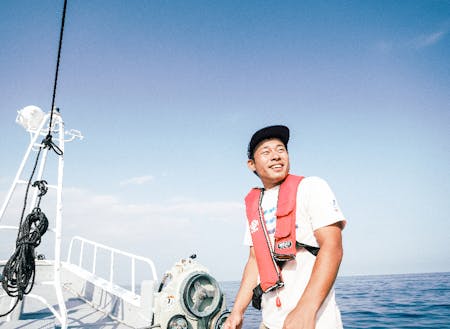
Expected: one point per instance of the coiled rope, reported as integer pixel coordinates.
(19, 272)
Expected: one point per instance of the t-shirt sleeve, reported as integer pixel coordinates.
(247, 236)
(323, 207)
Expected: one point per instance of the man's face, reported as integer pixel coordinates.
(271, 162)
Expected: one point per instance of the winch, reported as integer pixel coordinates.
(189, 298)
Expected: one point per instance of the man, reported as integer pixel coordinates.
(298, 290)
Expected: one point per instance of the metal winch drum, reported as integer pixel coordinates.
(189, 298)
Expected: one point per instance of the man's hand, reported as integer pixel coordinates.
(244, 295)
(300, 319)
(234, 321)
(324, 272)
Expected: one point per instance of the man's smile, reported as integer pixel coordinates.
(277, 166)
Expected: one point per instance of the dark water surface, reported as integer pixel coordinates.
(382, 301)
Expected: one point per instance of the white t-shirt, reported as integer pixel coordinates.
(316, 207)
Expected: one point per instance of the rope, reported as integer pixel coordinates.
(61, 33)
(26, 191)
(19, 272)
(48, 143)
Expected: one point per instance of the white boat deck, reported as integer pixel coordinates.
(80, 297)
(80, 315)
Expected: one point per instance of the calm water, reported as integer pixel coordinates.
(385, 301)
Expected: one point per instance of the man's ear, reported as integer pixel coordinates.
(251, 165)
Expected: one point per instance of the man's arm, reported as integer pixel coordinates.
(323, 275)
(245, 293)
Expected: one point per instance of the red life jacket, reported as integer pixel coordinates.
(285, 240)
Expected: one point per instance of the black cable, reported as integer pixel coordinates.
(61, 33)
(27, 189)
(20, 267)
(48, 143)
(19, 271)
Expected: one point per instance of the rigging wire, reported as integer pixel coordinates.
(19, 272)
(55, 84)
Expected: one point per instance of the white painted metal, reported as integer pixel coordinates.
(58, 227)
(112, 252)
(58, 135)
(34, 136)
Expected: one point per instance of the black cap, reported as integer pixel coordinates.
(278, 131)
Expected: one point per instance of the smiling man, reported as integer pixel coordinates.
(294, 236)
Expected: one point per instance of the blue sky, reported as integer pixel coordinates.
(168, 93)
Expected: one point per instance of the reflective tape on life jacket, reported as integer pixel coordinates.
(285, 240)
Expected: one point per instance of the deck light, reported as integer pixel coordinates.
(30, 117)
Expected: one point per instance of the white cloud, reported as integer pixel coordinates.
(137, 180)
(163, 232)
(419, 42)
(427, 40)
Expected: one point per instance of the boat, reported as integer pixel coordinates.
(71, 291)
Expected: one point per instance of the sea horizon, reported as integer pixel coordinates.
(364, 275)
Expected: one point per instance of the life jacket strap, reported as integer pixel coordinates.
(258, 292)
(313, 250)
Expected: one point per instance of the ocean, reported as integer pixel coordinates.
(380, 301)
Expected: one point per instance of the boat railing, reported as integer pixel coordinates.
(113, 252)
